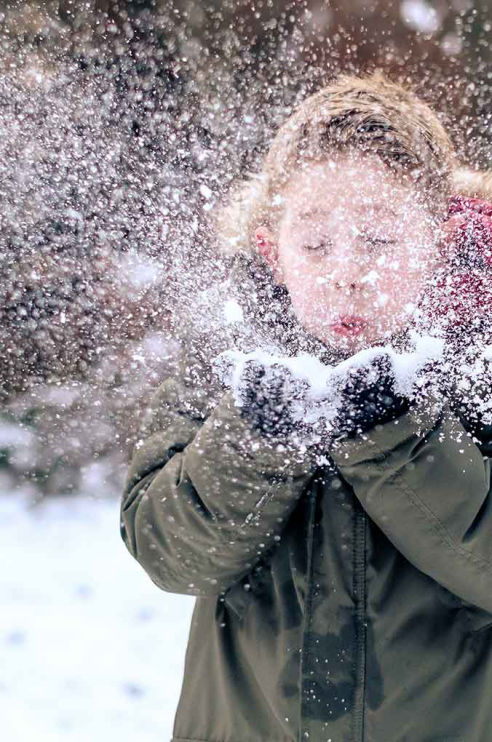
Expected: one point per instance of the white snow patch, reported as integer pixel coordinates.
(233, 312)
(372, 277)
(420, 16)
(12, 436)
(90, 648)
(205, 191)
(451, 44)
(137, 271)
(321, 399)
(409, 307)
(73, 214)
(382, 299)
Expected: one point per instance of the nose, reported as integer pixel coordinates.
(353, 286)
(346, 263)
(342, 282)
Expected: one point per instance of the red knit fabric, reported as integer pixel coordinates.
(461, 293)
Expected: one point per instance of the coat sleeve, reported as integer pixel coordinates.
(425, 481)
(205, 497)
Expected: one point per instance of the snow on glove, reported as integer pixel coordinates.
(311, 403)
(269, 395)
(368, 396)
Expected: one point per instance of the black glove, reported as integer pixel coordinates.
(368, 397)
(268, 397)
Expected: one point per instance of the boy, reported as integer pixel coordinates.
(348, 600)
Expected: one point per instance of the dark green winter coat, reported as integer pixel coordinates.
(343, 600)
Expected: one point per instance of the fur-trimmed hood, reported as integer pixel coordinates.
(474, 183)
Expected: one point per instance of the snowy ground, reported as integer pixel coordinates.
(90, 648)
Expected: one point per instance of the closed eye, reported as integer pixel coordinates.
(375, 241)
(320, 246)
(367, 238)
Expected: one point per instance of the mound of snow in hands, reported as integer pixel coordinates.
(320, 399)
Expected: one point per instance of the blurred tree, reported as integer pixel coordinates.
(121, 122)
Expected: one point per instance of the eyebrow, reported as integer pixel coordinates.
(316, 211)
(303, 215)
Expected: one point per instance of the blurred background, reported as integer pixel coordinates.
(122, 123)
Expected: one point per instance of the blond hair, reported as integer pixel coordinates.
(369, 113)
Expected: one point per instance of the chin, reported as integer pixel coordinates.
(347, 345)
(350, 345)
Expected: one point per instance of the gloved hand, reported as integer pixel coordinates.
(315, 403)
(269, 396)
(367, 397)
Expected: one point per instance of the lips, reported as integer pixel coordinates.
(348, 324)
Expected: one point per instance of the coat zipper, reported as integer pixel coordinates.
(309, 598)
(360, 597)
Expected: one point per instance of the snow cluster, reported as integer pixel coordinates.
(322, 382)
(474, 383)
(421, 16)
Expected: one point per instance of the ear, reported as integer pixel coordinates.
(268, 249)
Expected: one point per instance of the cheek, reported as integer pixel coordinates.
(309, 296)
(295, 273)
(401, 286)
(305, 285)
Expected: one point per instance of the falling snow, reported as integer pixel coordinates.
(126, 127)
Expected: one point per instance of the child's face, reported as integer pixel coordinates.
(353, 242)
